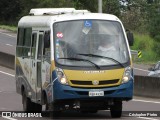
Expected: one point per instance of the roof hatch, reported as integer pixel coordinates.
(55, 11)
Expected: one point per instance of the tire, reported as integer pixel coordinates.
(37, 107)
(116, 109)
(29, 106)
(46, 103)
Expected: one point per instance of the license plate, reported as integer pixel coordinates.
(96, 93)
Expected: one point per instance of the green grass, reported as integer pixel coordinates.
(149, 47)
(7, 27)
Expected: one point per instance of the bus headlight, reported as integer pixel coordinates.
(126, 75)
(61, 77)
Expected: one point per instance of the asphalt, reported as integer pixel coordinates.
(7, 42)
(11, 101)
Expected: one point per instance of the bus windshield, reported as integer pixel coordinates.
(98, 41)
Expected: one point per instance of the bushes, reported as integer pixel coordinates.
(149, 47)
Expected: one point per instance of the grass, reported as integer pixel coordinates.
(149, 47)
(7, 27)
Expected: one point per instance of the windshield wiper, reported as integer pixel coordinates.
(99, 56)
(79, 59)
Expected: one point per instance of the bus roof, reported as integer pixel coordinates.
(55, 11)
(47, 20)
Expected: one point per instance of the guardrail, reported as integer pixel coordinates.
(134, 54)
(143, 85)
(147, 86)
(7, 60)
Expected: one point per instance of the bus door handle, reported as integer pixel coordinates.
(33, 64)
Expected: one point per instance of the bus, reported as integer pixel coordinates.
(68, 59)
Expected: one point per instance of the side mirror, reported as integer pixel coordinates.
(130, 38)
(47, 39)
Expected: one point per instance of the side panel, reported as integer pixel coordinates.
(32, 64)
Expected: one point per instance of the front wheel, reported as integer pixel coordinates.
(116, 109)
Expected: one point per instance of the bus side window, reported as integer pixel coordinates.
(20, 42)
(47, 54)
(46, 49)
(40, 45)
(20, 36)
(27, 41)
(33, 46)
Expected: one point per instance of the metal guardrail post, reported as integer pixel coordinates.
(134, 54)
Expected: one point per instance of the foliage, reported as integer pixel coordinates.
(142, 16)
(11, 28)
(10, 9)
(13, 10)
(149, 47)
(111, 7)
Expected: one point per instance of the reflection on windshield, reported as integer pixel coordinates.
(103, 38)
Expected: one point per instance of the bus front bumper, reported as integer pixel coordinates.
(122, 92)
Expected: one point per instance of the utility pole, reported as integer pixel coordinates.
(100, 6)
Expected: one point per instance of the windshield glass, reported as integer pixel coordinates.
(87, 39)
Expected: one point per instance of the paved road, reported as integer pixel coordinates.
(140, 69)
(7, 42)
(11, 101)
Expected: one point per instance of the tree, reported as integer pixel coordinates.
(9, 10)
(111, 7)
(134, 15)
(154, 19)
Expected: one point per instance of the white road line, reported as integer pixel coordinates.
(146, 118)
(9, 118)
(9, 45)
(145, 101)
(8, 34)
(141, 69)
(7, 73)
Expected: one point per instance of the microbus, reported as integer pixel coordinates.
(68, 59)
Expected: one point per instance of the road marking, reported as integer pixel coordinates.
(146, 101)
(146, 118)
(9, 118)
(141, 69)
(9, 44)
(7, 73)
(8, 34)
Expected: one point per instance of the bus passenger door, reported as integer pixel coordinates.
(33, 65)
(39, 66)
(36, 57)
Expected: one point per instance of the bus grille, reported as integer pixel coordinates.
(102, 82)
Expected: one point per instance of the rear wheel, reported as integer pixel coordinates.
(116, 109)
(37, 107)
(28, 105)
